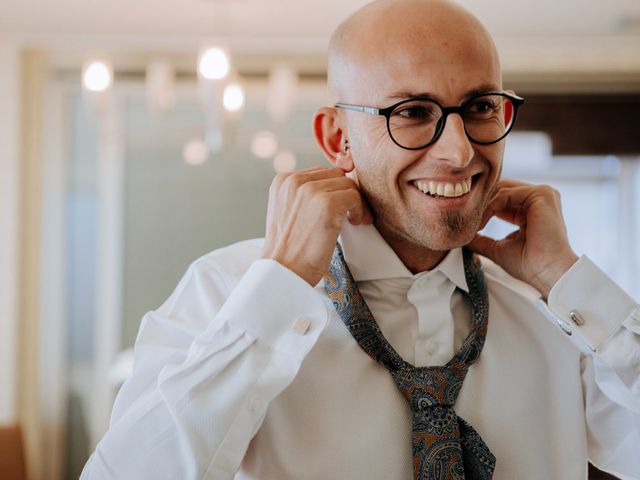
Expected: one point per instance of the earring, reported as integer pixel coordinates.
(346, 145)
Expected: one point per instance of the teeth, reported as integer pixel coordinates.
(449, 190)
(444, 189)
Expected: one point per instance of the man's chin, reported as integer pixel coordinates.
(456, 230)
(447, 238)
(446, 244)
(446, 232)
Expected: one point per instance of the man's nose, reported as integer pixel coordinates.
(453, 145)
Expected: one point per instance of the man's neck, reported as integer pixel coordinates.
(416, 258)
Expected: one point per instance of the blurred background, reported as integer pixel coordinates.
(136, 136)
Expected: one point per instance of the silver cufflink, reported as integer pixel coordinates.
(576, 318)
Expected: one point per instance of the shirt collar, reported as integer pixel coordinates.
(370, 257)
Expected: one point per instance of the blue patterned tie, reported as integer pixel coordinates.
(445, 447)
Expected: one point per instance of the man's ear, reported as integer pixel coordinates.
(332, 139)
(508, 112)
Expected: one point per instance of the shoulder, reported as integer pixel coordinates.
(498, 280)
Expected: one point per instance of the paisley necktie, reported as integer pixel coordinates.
(445, 447)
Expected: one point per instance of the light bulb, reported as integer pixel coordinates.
(97, 76)
(233, 98)
(264, 144)
(195, 152)
(284, 161)
(213, 63)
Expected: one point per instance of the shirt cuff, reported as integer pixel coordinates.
(276, 306)
(589, 303)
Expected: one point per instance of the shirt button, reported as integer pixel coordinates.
(256, 405)
(432, 347)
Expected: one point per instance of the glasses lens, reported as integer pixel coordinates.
(414, 123)
(488, 118)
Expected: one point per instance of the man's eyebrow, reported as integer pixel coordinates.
(406, 94)
(482, 90)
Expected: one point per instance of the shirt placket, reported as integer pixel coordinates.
(431, 296)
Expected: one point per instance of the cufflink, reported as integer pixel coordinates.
(576, 318)
(301, 325)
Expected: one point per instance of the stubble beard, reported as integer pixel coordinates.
(453, 222)
(452, 229)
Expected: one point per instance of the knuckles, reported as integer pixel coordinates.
(552, 194)
(277, 183)
(297, 191)
(325, 201)
(306, 190)
(549, 191)
(293, 182)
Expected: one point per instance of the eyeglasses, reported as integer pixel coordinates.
(416, 123)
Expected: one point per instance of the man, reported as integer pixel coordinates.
(267, 363)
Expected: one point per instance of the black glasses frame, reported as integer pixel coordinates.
(446, 111)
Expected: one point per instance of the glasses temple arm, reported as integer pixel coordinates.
(359, 108)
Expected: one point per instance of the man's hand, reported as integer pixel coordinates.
(539, 252)
(305, 215)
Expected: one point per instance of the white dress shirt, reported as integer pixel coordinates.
(247, 372)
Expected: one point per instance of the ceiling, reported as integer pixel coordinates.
(296, 18)
(567, 35)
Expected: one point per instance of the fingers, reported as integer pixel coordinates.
(484, 246)
(307, 184)
(346, 203)
(509, 182)
(515, 216)
(305, 215)
(537, 253)
(300, 177)
(330, 184)
(494, 249)
(344, 197)
(361, 214)
(512, 201)
(367, 214)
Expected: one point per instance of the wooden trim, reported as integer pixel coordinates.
(33, 73)
(584, 124)
(9, 230)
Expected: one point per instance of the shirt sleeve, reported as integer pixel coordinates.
(207, 366)
(605, 324)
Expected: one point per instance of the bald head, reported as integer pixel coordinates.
(392, 33)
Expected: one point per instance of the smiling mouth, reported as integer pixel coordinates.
(437, 189)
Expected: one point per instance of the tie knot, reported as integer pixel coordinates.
(430, 386)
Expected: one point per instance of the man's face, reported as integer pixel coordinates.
(448, 68)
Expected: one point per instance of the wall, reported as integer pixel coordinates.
(9, 193)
